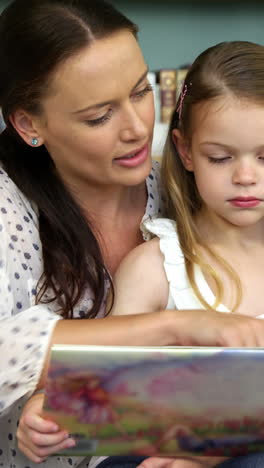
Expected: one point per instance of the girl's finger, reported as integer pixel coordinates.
(43, 439)
(29, 454)
(45, 451)
(39, 424)
(39, 453)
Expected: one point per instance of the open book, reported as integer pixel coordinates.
(158, 400)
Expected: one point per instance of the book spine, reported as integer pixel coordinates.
(168, 84)
(153, 82)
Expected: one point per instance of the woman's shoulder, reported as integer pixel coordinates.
(13, 199)
(155, 202)
(7, 185)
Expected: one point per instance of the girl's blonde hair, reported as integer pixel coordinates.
(229, 68)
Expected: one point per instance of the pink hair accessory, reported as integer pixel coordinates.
(182, 96)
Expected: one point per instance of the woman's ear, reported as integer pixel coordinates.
(26, 127)
(182, 149)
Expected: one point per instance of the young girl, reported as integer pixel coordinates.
(210, 253)
(214, 172)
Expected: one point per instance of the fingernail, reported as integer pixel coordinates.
(71, 443)
(54, 428)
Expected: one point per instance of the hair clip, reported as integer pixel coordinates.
(182, 96)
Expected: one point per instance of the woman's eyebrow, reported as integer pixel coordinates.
(105, 103)
(142, 78)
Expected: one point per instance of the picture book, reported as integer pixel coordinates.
(158, 400)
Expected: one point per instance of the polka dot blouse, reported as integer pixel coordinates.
(26, 328)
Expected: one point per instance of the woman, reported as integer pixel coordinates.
(75, 183)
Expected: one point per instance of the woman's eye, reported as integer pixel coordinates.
(213, 160)
(99, 120)
(141, 93)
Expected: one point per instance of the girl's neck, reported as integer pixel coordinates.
(219, 232)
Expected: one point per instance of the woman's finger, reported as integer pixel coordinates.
(156, 462)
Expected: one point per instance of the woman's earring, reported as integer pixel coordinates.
(34, 141)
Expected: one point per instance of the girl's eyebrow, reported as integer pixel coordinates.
(105, 103)
(228, 147)
(215, 143)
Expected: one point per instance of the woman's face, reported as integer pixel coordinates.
(97, 122)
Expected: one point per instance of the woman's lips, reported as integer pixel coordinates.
(135, 158)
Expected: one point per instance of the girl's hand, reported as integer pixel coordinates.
(38, 437)
(179, 462)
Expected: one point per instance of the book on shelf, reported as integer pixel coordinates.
(152, 78)
(168, 86)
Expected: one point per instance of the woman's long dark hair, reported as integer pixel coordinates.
(36, 36)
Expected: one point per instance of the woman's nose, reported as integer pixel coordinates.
(133, 126)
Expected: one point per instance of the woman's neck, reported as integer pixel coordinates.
(114, 214)
(110, 203)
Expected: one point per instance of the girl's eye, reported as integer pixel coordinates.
(100, 120)
(143, 92)
(218, 160)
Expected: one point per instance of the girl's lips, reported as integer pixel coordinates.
(249, 202)
(139, 158)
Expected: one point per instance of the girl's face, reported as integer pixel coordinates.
(97, 122)
(226, 154)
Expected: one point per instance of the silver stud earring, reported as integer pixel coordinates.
(34, 141)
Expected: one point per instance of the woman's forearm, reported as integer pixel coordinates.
(153, 329)
(164, 328)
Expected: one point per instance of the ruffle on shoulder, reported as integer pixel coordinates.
(174, 264)
(181, 294)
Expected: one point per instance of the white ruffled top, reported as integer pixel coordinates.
(181, 294)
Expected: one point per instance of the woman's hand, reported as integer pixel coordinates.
(211, 328)
(38, 437)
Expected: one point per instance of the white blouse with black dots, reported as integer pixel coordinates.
(26, 328)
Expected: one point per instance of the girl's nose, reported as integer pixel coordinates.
(245, 174)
